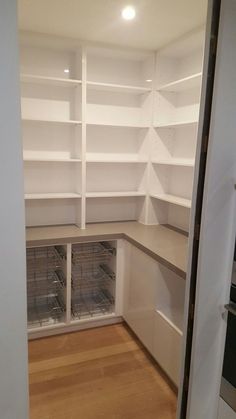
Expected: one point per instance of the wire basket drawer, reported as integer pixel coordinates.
(94, 303)
(43, 259)
(45, 283)
(90, 276)
(91, 253)
(44, 310)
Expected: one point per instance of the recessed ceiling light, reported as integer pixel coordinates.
(149, 80)
(128, 13)
(66, 70)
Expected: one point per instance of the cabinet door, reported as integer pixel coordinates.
(140, 294)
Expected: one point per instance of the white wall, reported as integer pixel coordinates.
(13, 341)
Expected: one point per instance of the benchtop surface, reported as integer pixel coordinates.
(162, 243)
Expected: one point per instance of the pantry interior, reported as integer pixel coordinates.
(109, 136)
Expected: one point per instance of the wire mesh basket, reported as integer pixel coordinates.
(92, 303)
(45, 283)
(89, 276)
(91, 253)
(45, 310)
(44, 259)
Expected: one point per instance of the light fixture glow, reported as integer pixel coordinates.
(66, 70)
(128, 13)
(149, 80)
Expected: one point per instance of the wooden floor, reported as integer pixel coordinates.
(93, 374)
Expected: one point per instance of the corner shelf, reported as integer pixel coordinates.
(172, 199)
(182, 84)
(112, 87)
(59, 195)
(175, 162)
(55, 81)
(115, 194)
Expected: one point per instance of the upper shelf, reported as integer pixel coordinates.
(56, 81)
(51, 159)
(54, 121)
(121, 194)
(176, 124)
(182, 84)
(115, 158)
(52, 195)
(93, 85)
(117, 124)
(175, 162)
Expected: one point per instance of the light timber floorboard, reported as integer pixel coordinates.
(94, 374)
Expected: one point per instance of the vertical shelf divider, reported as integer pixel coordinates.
(78, 135)
(84, 138)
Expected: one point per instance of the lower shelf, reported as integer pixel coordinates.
(172, 199)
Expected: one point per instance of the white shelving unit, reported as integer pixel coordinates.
(126, 119)
(176, 109)
(51, 80)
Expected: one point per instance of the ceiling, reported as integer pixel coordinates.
(157, 22)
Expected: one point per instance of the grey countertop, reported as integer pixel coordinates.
(167, 246)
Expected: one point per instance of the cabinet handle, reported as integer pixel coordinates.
(231, 308)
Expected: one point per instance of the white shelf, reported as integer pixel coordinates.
(175, 162)
(115, 194)
(93, 85)
(172, 199)
(49, 159)
(60, 195)
(182, 84)
(56, 81)
(175, 124)
(118, 124)
(53, 121)
(114, 158)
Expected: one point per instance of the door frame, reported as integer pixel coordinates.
(213, 221)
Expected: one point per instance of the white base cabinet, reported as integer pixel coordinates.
(76, 286)
(153, 308)
(139, 294)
